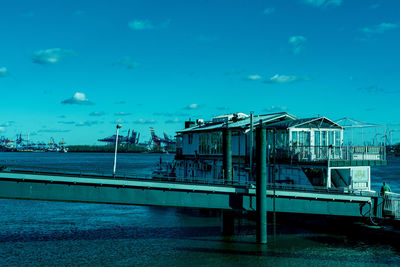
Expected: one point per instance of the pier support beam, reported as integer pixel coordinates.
(227, 155)
(261, 182)
(227, 223)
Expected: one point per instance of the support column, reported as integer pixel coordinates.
(227, 222)
(251, 142)
(261, 182)
(227, 154)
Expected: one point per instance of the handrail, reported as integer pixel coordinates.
(392, 204)
(315, 153)
(198, 181)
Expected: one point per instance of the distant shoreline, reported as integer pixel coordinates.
(111, 149)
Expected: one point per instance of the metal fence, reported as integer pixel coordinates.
(186, 180)
(392, 205)
(318, 153)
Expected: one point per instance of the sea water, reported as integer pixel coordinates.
(42, 233)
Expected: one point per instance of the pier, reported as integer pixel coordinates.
(17, 184)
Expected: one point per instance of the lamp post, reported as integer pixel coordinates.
(116, 148)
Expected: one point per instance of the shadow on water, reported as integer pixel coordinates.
(271, 252)
(114, 233)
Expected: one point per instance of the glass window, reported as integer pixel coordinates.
(204, 144)
(317, 138)
(337, 138)
(294, 138)
(201, 146)
(307, 138)
(301, 138)
(207, 144)
(216, 143)
(331, 137)
(279, 139)
(323, 138)
(190, 137)
(285, 138)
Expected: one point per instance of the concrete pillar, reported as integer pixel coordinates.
(261, 182)
(227, 154)
(227, 222)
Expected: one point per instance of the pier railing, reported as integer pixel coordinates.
(95, 174)
(319, 153)
(392, 205)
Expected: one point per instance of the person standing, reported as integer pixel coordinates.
(385, 188)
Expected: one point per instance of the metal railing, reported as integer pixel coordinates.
(392, 205)
(193, 181)
(318, 153)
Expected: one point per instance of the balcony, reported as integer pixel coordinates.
(327, 153)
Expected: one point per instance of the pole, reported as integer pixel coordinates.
(251, 146)
(261, 189)
(238, 173)
(116, 148)
(228, 224)
(227, 157)
(273, 173)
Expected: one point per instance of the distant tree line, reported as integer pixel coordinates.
(107, 148)
(397, 150)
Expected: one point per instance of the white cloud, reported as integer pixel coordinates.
(253, 77)
(283, 79)
(3, 72)
(192, 106)
(297, 43)
(78, 99)
(380, 28)
(269, 11)
(323, 3)
(50, 56)
(140, 25)
(2, 129)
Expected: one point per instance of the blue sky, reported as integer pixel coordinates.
(72, 69)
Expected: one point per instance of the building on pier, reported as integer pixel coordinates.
(302, 152)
